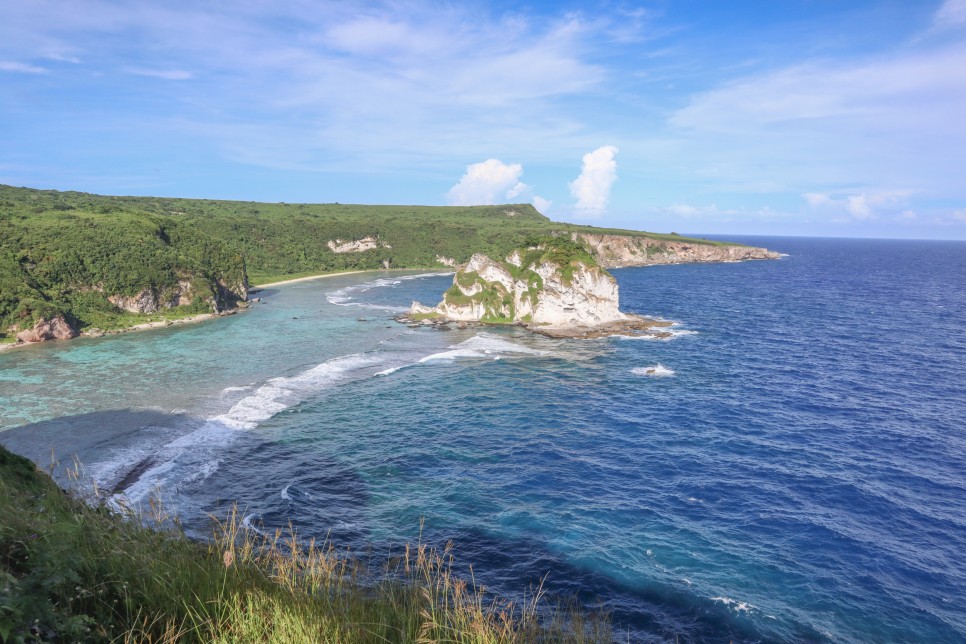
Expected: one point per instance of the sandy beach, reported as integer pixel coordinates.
(316, 277)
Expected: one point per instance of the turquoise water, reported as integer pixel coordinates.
(795, 471)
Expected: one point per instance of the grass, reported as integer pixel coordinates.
(71, 570)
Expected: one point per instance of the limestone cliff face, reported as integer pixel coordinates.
(356, 245)
(615, 251)
(531, 287)
(218, 294)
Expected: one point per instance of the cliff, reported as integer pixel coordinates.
(615, 251)
(552, 286)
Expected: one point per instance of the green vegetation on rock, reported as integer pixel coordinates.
(493, 298)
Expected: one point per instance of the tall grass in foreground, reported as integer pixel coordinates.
(73, 571)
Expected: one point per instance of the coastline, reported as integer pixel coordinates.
(322, 276)
(144, 326)
(201, 317)
(157, 324)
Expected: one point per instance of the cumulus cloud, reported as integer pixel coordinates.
(861, 206)
(541, 204)
(592, 188)
(488, 182)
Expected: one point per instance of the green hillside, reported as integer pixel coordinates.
(65, 253)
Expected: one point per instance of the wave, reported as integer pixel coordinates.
(734, 604)
(345, 296)
(194, 456)
(230, 390)
(281, 393)
(248, 523)
(654, 371)
(483, 345)
(664, 334)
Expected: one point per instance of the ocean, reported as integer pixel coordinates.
(790, 466)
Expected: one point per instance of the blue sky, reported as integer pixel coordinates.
(804, 117)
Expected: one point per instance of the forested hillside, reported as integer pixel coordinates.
(88, 257)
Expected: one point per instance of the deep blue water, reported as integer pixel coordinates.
(798, 472)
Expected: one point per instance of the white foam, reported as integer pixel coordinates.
(386, 372)
(662, 334)
(654, 371)
(193, 457)
(345, 296)
(285, 494)
(248, 523)
(483, 345)
(738, 606)
(228, 390)
(281, 393)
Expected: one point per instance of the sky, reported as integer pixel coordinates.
(800, 117)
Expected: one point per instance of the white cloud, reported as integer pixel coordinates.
(894, 118)
(951, 14)
(163, 74)
(488, 182)
(21, 68)
(815, 199)
(958, 215)
(907, 216)
(541, 204)
(592, 188)
(861, 206)
(858, 206)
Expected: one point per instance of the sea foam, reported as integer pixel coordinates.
(654, 371)
(346, 296)
(483, 345)
(194, 456)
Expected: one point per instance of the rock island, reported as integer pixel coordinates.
(552, 285)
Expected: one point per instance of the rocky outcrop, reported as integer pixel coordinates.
(539, 294)
(217, 294)
(56, 328)
(446, 261)
(554, 287)
(356, 245)
(150, 301)
(616, 251)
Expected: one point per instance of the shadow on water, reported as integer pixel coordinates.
(200, 477)
(93, 438)
(648, 613)
(280, 484)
